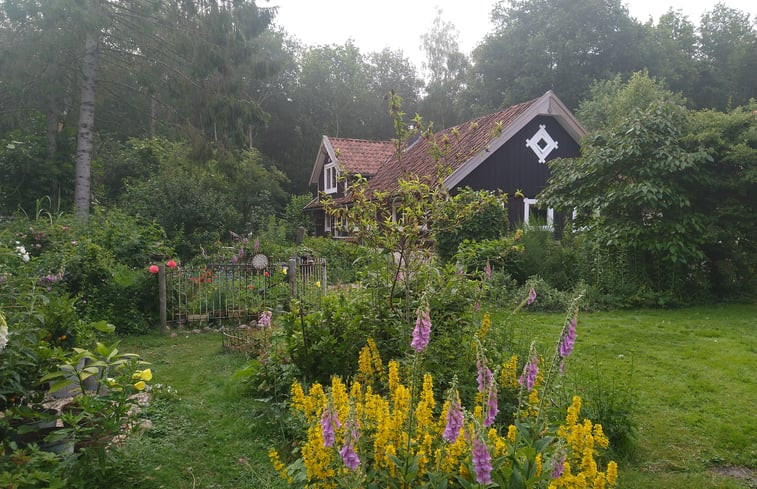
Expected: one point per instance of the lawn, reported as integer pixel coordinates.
(690, 374)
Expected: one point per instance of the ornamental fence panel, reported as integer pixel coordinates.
(236, 293)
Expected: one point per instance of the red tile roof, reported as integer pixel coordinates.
(360, 155)
(459, 144)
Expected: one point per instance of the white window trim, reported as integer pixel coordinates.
(330, 182)
(327, 223)
(527, 203)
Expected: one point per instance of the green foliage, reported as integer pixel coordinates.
(344, 260)
(611, 101)
(28, 171)
(295, 217)
(631, 186)
(195, 201)
(724, 195)
(487, 221)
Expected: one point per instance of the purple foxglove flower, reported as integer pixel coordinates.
(422, 332)
(327, 427)
(476, 306)
(482, 461)
(350, 458)
(491, 406)
(256, 246)
(234, 259)
(531, 296)
(557, 467)
(241, 252)
(530, 371)
(265, 319)
(454, 421)
(484, 377)
(569, 339)
(488, 270)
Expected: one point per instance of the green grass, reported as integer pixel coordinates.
(212, 436)
(690, 374)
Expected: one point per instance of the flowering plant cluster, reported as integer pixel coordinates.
(387, 428)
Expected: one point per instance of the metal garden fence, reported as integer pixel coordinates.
(226, 293)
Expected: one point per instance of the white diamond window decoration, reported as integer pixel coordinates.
(541, 143)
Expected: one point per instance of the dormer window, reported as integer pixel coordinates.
(330, 177)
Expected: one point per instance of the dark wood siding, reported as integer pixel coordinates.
(514, 166)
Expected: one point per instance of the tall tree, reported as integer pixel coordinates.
(562, 45)
(445, 69)
(728, 51)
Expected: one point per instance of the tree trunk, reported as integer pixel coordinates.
(86, 126)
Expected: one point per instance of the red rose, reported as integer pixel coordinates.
(153, 269)
(172, 264)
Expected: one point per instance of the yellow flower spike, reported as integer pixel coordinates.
(512, 432)
(394, 375)
(140, 386)
(378, 366)
(612, 473)
(297, 397)
(538, 463)
(486, 323)
(278, 465)
(509, 374)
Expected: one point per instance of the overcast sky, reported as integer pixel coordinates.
(375, 24)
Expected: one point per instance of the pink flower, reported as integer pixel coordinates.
(530, 371)
(350, 458)
(265, 319)
(266, 273)
(454, 420)
(234, 259)
(328, 420)
(484, 377)
(569, 338)
(422, 332)
(251, 287)
(488, 270)
(491, 406)
(482, 461)
(153, 269)
(531, 296)
(172, 264)
(557, 467)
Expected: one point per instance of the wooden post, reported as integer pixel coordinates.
(162, 296)
(292, 274)
(323, 275)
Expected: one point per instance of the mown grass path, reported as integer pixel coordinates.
(692, 371)
(208, 438)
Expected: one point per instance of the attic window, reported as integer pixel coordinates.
(541, 144)
(330, 177)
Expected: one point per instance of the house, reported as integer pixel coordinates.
(505, 151)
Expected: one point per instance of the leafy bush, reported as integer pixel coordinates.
(343, 259)
(486, 221)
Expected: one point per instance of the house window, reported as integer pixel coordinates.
(327, 223)
(537, 216)
(330, 177)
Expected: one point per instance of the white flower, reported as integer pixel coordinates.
(3, 332)
(22, 252)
